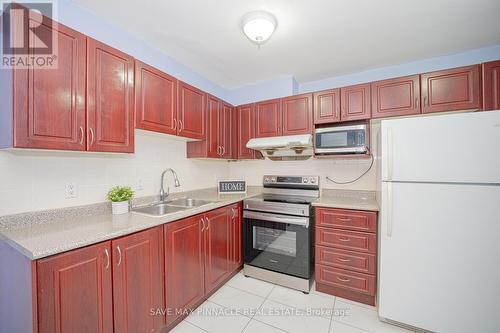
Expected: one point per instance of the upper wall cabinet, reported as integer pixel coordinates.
(155, 99)
(327, 106)
(191, 121)
(246, 130)
(355, 102)
(452, 89)
(268, 118)
(396, 97)
(48, 105)
(226, 129)
(491, 85)
(110, 99)
(297, 114)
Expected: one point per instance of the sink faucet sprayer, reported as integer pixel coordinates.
(163, 195)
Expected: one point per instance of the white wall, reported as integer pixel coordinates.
(35, 180)
(339, 169)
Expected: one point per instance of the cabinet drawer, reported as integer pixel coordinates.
(347, 219)
(358, 282)
(360, 262)
(347, 240)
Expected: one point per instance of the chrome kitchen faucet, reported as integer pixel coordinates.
(163, 195)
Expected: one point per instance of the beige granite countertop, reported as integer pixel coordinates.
(41, 234)
(346, 199)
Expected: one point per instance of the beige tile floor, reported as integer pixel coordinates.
(249, 305)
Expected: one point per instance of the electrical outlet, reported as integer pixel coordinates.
(71, 190)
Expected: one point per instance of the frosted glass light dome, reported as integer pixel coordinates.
(258, 26)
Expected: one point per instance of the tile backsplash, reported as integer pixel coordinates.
(36, 180)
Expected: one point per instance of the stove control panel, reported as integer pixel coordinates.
(301, 181)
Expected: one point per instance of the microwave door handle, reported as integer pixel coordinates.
(276, 218)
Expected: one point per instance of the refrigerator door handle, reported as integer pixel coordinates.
(389, 154)
(389, 210)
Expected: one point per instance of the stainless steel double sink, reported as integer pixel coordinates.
(168, 207)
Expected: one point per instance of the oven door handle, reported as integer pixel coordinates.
(302, 221)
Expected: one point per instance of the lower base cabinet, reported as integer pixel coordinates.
(140, 283)
(201, 253)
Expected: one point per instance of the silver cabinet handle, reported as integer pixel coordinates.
(344, 239)
(119, 256)
(208, 223)
(343, 279)
(181, 125)
(234, 213)
(106, 252)
(426, 103)
(416, 102)
(202, 224)
(91, 136)
(81, 135)
(343, 260)
(344, 219)
(223, 150)
(175, 124)
(218, 150)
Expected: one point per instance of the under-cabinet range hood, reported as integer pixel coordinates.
(284, 148)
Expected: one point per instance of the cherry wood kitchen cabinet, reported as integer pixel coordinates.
(138, 281)
(110, 99)
(191, 121)
(346, 253)
(226, 129)
(218, 142)
(217, 242)
(396, 97)
(155, 100)
(245, 129)
(48, 105)
(327, 106)
(235, 237)
(297, 114)
(184, 265)
(355, 102)
(452, 89)
(75, 291)
(491, 85)
(268, 118)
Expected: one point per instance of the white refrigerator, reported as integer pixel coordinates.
(439, 264)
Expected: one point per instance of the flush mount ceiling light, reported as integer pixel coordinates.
(258, 26)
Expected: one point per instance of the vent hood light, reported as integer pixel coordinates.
(258, 26)
(284, 148)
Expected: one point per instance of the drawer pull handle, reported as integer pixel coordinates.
(344, 219)
(343, 260)
(344, 239)
(343, 279)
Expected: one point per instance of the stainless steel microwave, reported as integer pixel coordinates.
(342, 140)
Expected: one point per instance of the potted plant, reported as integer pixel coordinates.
(119, 197)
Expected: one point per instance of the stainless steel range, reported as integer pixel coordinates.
(278, 231)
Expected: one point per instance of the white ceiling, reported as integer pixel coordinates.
(315, 39)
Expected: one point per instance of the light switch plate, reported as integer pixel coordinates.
(71, 190)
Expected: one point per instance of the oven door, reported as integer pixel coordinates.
(277, 242)
(341, 140)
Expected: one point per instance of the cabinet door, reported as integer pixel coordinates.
(192, 112)
(356, 103)
(155, 99)
(236, 258)
(452, 89)
(268, 118)
(491, 85)
(184, 265)
(327, 106)
(213, 135)
(110, 99)
(138, 281)
(225, 130)
(297, 114)
(246, 130)
(216, 248)
(396, 97)
(49, 104)
(75, 291)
